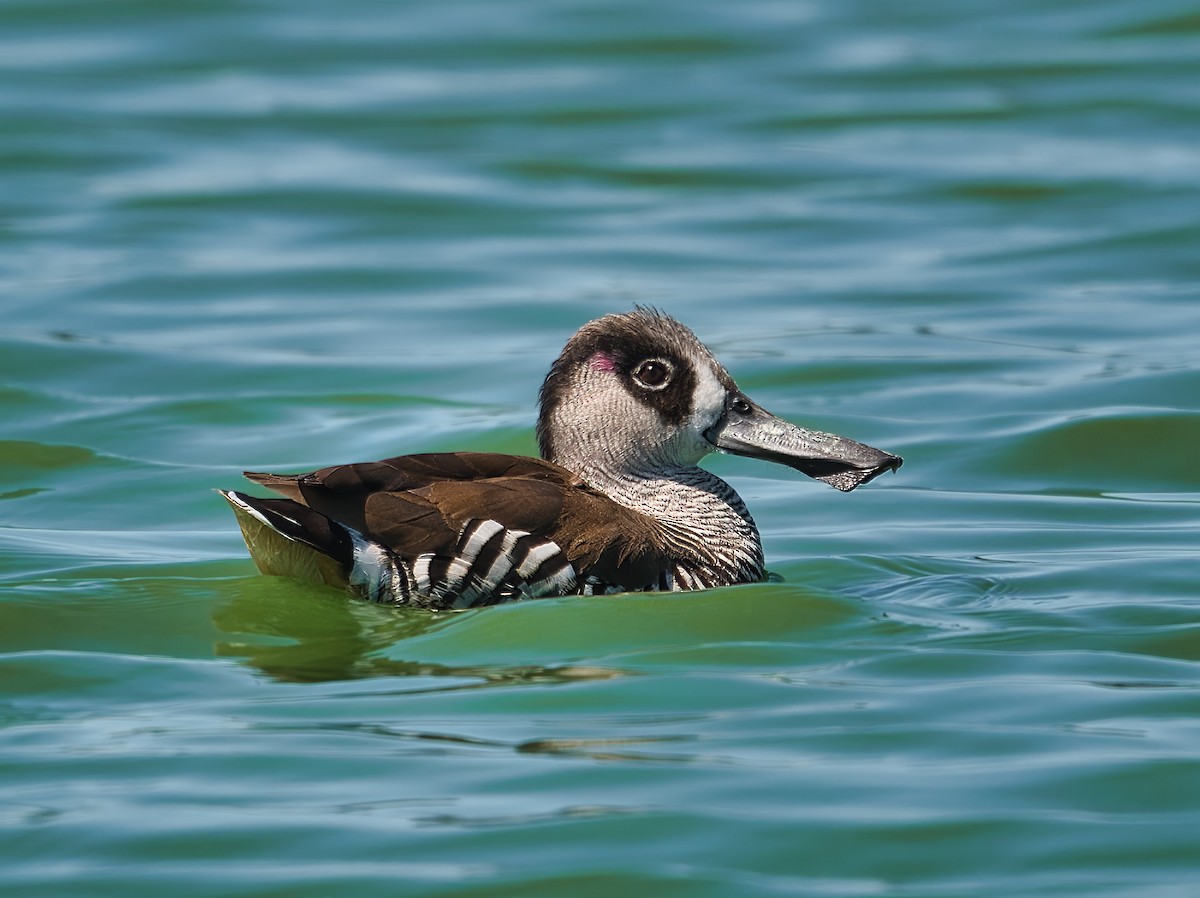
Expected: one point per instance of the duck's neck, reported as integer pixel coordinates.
(703, 523)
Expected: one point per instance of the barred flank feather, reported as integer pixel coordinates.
(491, 564)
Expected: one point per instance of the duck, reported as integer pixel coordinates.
(617, 502)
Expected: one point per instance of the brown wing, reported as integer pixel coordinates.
(611, 543)
(341, 491)
(430, 519)
(418, 504)
(408, 472)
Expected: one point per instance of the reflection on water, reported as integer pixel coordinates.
(300, 634)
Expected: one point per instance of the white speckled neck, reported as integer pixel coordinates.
(703, 523)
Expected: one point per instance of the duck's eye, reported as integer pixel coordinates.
(741, 405)
(653, 374)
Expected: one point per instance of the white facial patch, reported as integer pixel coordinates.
(708, 399)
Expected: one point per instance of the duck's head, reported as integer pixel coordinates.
(636, 394)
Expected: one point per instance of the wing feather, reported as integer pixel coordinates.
(418, 505)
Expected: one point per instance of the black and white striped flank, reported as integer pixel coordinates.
(489, 564)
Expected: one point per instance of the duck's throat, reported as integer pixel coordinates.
(702, 524)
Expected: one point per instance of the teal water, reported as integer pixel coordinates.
(278, 235)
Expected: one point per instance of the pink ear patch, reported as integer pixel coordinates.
(602, 361)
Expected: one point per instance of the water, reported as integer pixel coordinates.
(280, 235)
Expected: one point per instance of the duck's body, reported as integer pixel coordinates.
(618, 504)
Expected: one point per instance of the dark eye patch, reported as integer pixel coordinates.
(663, 383)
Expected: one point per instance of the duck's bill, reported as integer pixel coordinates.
(842, 463)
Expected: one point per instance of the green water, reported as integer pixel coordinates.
(278, 235)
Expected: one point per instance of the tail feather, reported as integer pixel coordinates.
(284, 484)
(289, 540)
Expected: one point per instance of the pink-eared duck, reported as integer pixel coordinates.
(615, 504)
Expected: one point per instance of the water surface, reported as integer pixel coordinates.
(280, 235)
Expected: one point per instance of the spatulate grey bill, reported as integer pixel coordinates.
(617, 503)
(748, 429)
